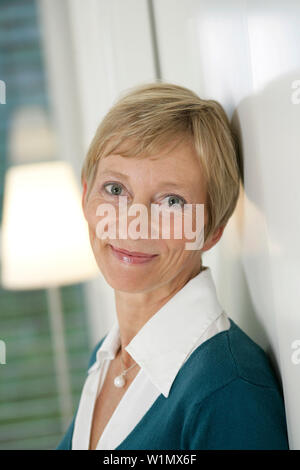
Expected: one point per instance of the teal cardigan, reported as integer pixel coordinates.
(225, 396)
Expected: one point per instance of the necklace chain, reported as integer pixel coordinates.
(120, 380)
(126, 370)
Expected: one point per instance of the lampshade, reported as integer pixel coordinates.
(45, 239)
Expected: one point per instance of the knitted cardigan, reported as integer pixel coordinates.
(225, 396)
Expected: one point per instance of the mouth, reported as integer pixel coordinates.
(132, 257)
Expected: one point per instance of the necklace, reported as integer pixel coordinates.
(120, 380)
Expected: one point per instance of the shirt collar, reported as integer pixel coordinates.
(161, 346)
(109, 347)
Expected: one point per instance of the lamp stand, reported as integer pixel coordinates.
(60, 354)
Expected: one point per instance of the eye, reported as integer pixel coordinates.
(115, 190)
(175, 201)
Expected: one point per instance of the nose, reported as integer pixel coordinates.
(139, 217)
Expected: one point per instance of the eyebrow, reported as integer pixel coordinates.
(123, 175)
(112, 172)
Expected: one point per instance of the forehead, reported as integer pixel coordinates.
(177, 162)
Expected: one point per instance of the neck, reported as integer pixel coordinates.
(135, 309)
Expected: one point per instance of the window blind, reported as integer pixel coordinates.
(29, 399)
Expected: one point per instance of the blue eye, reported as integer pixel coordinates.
(175, 200)
(115, 186)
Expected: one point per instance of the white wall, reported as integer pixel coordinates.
(244, 54)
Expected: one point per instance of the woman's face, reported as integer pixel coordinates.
(169, 178)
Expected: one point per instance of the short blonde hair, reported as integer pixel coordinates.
(150, 116)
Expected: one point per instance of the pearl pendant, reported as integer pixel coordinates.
(119, 381)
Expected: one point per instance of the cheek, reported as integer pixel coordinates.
(93, 211)
(93, 220)
(185, 226)
(189, 227)
(174, 250)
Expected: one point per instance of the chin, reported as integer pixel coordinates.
(122, 276)
(126, 282)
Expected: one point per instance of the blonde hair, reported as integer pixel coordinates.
(150, 115)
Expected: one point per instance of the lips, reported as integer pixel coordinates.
(131, 257)
(133, 253)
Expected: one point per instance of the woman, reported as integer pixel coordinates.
(174, 371)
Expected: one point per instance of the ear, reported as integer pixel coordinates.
(214, 238)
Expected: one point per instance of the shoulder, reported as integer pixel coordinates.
(237, 402)
(227, 356)
(250, 360)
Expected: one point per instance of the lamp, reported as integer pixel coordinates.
(45, 244)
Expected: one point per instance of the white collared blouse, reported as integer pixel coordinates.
(160, 348)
